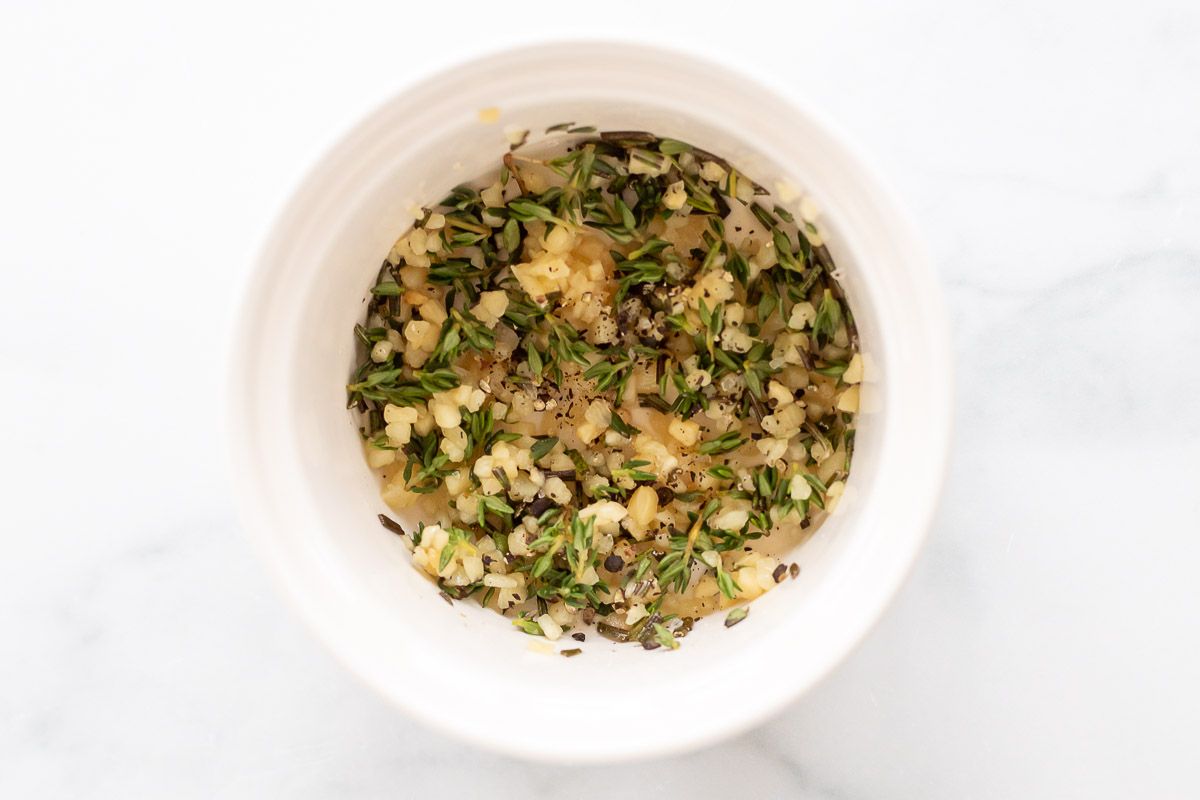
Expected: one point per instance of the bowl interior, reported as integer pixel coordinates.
(312, 502)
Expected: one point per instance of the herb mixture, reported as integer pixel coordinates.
(606, 374)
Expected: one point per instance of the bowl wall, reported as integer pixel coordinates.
(310, 501)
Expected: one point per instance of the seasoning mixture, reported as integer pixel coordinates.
(606, 374)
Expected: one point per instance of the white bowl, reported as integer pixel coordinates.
(310, 502)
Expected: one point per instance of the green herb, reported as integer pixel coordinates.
(727, 584)
(610, 187)
(493, 504)
(724, 443)
(829, 317)
(527, 211)
(622, 427)
(833, 370)
(664, 637)
(388, 289)
(632, 469)
(637, 272)
(672, 147)
(581, 466)
(542, 447)
(457, 535)
(528, 626)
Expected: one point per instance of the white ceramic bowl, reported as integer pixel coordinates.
(310, 502)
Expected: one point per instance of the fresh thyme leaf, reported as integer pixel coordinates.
(664, 637)
(737, 266)
(534, 359)
(783, 249)
(632, 469)
(652, 247)
(527, 211)
(724, 443)
(388, 288)
(542, 447)
(581, 467)
(754, 383)
(446, 555)
(829, 317)
(638, 272)
(622, 427)
(727, 584)
(834, 370)
(673, 147)
(627, 218)
(736, 615)
(382, 377)
(495, 504)
(512, 235)
(654, 401)
(528, 626)
(815, 482)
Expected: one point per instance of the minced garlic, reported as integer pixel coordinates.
(602, 378)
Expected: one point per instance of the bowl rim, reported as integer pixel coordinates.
(250, 493)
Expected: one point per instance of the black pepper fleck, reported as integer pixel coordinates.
(391, 525)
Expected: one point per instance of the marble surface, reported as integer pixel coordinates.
(1047, 644)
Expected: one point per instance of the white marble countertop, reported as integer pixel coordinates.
(1048, 643)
